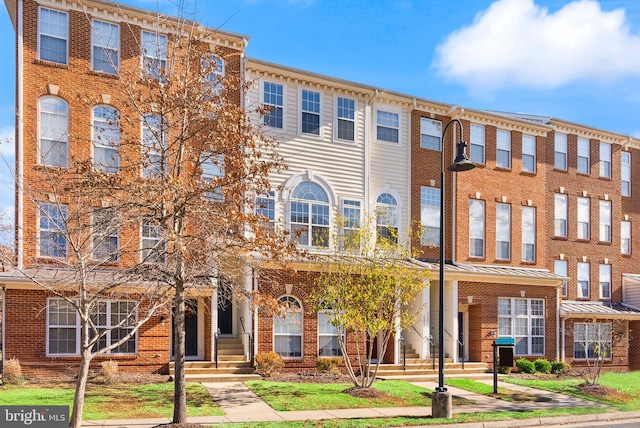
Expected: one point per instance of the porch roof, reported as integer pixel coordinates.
(488, 273)
(600, 310)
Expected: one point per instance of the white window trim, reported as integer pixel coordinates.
(146, 259)
(144, 55)
(600, 282)
(422, 222)
(66, 62)
(39, 229)
(588, 157)
(508, 226)
(483, 219)
(477, 143)
(438, 125)
(588, 218)
(338, 119)
(115, 233)
(565, 272)
(58, 141)
(388, 109)
(526, 239)
(559, 215)
(602, 230)
(534, 155)
(283, 106)
(328, 311)
(309, 203)
(117, 68)
(625, 235)
(512, 316)
(610, 341)
(560, 138)
(78, 328)
(103, 145)
(319, 113)
(302, 330)
(625, 166)
(606, 161)
(579, 279)
(507, 135)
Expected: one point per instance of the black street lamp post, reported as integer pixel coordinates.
(441, 402)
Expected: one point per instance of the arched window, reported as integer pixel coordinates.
(54, 132)
(387, 218)
(328, 334)
(106, 139)
(287, 331)
(310, 215)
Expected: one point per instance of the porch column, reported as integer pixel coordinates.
(425, 329)
(451, 320)
(214, 316)
(246, 313)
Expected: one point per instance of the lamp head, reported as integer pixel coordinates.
(462, 162)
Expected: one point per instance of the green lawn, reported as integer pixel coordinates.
(626, 385)
(123, 401)
(323, 396)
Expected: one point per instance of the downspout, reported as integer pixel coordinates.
(19, 139)
(243, 59)
(558, 296)
(4, 312)
(255, 316)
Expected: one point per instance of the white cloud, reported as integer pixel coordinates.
(517, 43)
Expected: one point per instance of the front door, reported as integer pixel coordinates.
(190, 329)
(225, 317)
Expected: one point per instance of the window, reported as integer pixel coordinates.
(584, 218)
(560, 215)
(213, 170)
(584, 156)
(625, 173)
(387, 218)
(605, 281)
(310, 112)
(625, 237)
(529, 234)
(214, 67)
(154, 141)
(560, 151)
(346, 119)
(287, 332)
(430, 216)
(528, 153)
(476, 228)
(154, 55)
(328, 335)
(310, 215)
(105, 45)
(154, 246)
(274, 101)
(51, 230)
(503, 149)
(605, 221)
(106, 139)
(430, 134)
(503, 231)
(560, 268)
(63, 326)
(605, 160)
(476, 148)
(583, 280)
(54, 132)
(388, 126)
(351, 213)
(106, 230)
(266, 207)
(591, 340)
(54, 31)
(523, 320)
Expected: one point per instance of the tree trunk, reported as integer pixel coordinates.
(81, 386)
(179, 392)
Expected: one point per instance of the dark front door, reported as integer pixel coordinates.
(461, 343)
(191, 328)
(225, 317)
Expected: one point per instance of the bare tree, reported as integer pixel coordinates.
(595, 341)
(367, 284)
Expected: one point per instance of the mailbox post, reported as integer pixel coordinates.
(505, 346)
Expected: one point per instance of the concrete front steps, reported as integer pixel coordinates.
(232, 365)
(417, 369)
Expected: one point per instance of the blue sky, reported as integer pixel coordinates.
(574, 60)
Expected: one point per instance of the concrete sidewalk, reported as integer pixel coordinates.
(240, 404)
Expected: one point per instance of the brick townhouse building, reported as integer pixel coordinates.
(539, 235)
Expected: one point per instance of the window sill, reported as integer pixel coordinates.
(502, 168)
(51, 64)
(103, 74)
(476, 258)
(560, 238)
(529, 173)
(626, 255)
(528, 262)
(564, 171)
(502, 261)
(607, 243)
(605, 178)
(583, 240)
(583, 174)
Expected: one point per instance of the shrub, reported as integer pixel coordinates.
(560, 368)
(12, 371)
(109, 370)
(504, 370)
(542, 365)
(328, 365)
(525, 366)
(267, 363)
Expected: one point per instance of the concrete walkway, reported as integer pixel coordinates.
(241, 405)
